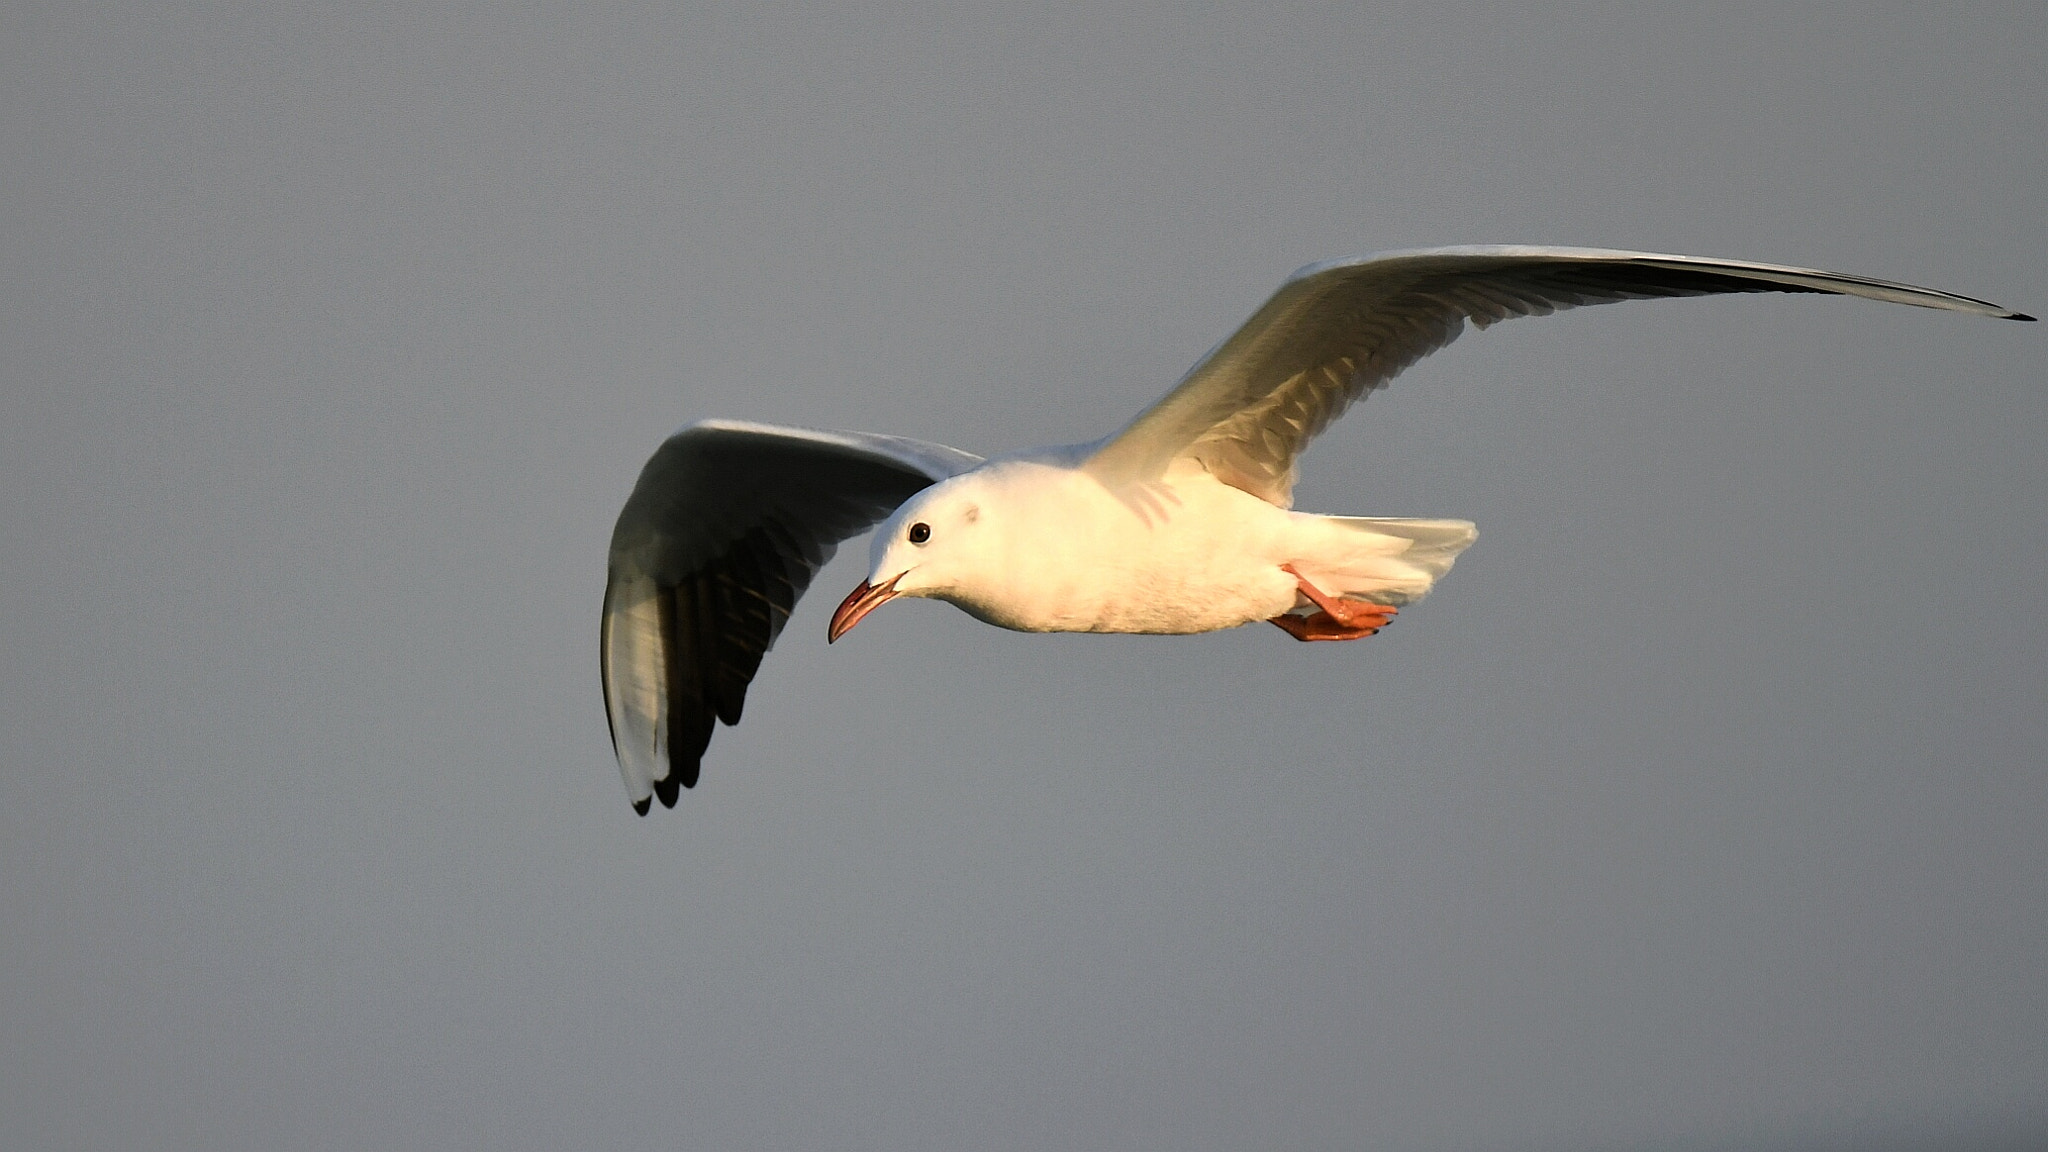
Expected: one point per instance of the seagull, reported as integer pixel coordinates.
(1181, 522)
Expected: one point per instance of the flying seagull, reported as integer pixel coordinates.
(1181, 522)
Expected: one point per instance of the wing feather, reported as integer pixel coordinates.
(721, 536)
(1338, 331)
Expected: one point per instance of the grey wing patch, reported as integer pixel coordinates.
(721, 537)
(1257, 448)
(1337, 332)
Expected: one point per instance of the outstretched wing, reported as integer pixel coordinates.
(1337, 331)
(721, 535)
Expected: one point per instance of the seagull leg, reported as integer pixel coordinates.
(1339, 619)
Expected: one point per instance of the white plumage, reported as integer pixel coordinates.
(1179, 523)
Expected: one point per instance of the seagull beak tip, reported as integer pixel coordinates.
(862, 600)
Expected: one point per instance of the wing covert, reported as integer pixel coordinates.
(722, 534)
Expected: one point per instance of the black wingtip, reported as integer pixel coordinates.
(641, 805)
(665, 791)
(2021, 316)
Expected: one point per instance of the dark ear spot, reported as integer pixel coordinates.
(973, 513)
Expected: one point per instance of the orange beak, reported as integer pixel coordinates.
(858, 603)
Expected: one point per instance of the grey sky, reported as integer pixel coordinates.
(1703, 802)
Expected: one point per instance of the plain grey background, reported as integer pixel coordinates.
(1704, 805)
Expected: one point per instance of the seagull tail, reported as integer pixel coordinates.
(1394, 561)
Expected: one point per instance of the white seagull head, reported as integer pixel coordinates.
(942, 543)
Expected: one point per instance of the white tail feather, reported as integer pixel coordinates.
(1396, 560)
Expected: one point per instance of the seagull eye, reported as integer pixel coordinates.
(920, 532)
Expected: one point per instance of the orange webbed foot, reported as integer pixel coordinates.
(1339, 619)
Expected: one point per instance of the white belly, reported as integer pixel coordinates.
(1190, 554)
(1197, 557)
